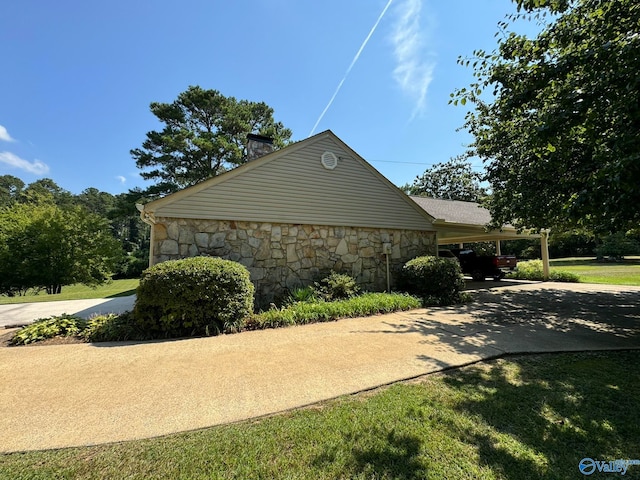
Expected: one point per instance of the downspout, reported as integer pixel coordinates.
(149, 219)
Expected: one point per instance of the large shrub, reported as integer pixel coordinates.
(533, 270)
(193, 296)
(437, 280)
(336, 286)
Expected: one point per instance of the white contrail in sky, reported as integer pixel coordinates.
(355, 59)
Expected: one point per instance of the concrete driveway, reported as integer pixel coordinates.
(25, 313)
(72, 395)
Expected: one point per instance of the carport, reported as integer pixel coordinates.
(466, 222)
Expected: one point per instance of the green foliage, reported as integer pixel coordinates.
(303, 294)
(112, 328)
(46, 246)
(571, 243)
(46, 191)
(44, 328)
(560, 132)
(10, 189)
(437, 280)
(204, 135)
(563, 276)
(529, 270)
(322, 311)
(132, 265)
(616, 246)
(532, 270)
(336, 286)
(452, 180)
(193, 296)
(118, 211)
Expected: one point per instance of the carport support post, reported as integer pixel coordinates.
(498, 252)
(544, 250)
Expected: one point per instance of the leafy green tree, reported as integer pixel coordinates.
(560, 133)
(10, 189)
(452, 180)
(616, 246)
(95, 201)
(46, 190)
(204, 135)
(132, 233)
(46, 246)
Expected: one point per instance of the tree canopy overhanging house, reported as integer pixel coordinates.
(559, 127)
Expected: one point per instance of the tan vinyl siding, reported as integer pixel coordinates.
(295, 188)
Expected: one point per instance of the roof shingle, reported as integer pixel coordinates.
(454, 211)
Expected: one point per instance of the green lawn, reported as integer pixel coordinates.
(116, 288)
(626, 272)
(527, 417)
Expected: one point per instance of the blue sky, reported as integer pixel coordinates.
(78, 77)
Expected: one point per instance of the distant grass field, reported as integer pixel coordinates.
(590, 270)
(116, 288)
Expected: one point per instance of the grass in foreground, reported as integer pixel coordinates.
(529, 417)
(590, 270)
(116, 288)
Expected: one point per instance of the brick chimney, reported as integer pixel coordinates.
(258, 146)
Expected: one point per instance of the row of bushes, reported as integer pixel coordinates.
(208, 296)
(123, 327)
(314, 311)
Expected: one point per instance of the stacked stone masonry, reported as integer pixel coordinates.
(282, 257)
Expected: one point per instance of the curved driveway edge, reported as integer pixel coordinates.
(19, 314)
(83, 394)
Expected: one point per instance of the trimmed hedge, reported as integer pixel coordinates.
(437, 280)
(193, 296)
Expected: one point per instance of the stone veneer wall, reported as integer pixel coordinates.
(282, 257)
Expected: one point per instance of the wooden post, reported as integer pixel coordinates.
(498, 252)
(544, 250)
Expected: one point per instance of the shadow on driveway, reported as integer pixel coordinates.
(529, 321)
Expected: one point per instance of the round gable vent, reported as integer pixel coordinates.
(329, 160)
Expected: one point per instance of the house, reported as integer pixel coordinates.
(293, 215)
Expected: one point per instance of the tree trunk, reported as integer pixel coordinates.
(54, 289)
